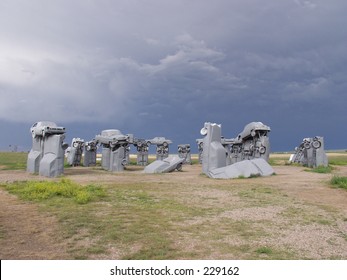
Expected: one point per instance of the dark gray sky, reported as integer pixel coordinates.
(163, 68)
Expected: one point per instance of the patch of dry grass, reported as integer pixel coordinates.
(188, 216)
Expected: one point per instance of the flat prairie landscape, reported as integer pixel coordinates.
(89, 213)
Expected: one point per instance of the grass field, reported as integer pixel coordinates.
(185, 215)
(13, 161)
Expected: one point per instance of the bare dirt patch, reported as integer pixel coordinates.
(26, 233)
(309, 186)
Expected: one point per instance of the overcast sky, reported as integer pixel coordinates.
(163, 68)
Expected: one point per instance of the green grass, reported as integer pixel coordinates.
(129, 216)
(270, 253)
(304, 218)
(264, 250)
(340, 159)
(278, 160)
(195, 160)
(41, 190)
(339, 182)
(321, 169)
(172, 221)
(251, 176)
(260, 195)
(13, 161)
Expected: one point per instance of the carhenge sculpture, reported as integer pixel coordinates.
(252, 142)
(46, 156)
(184, 152)
(310, 153)
(74, 156)
(142, 148)
(162, 150)
(168, 164)
(90, 149)
(164, 163)
(200, 149)
(250, 162)
(114, 148)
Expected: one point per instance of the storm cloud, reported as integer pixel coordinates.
(163, 68)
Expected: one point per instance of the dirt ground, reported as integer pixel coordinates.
(27, 233)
